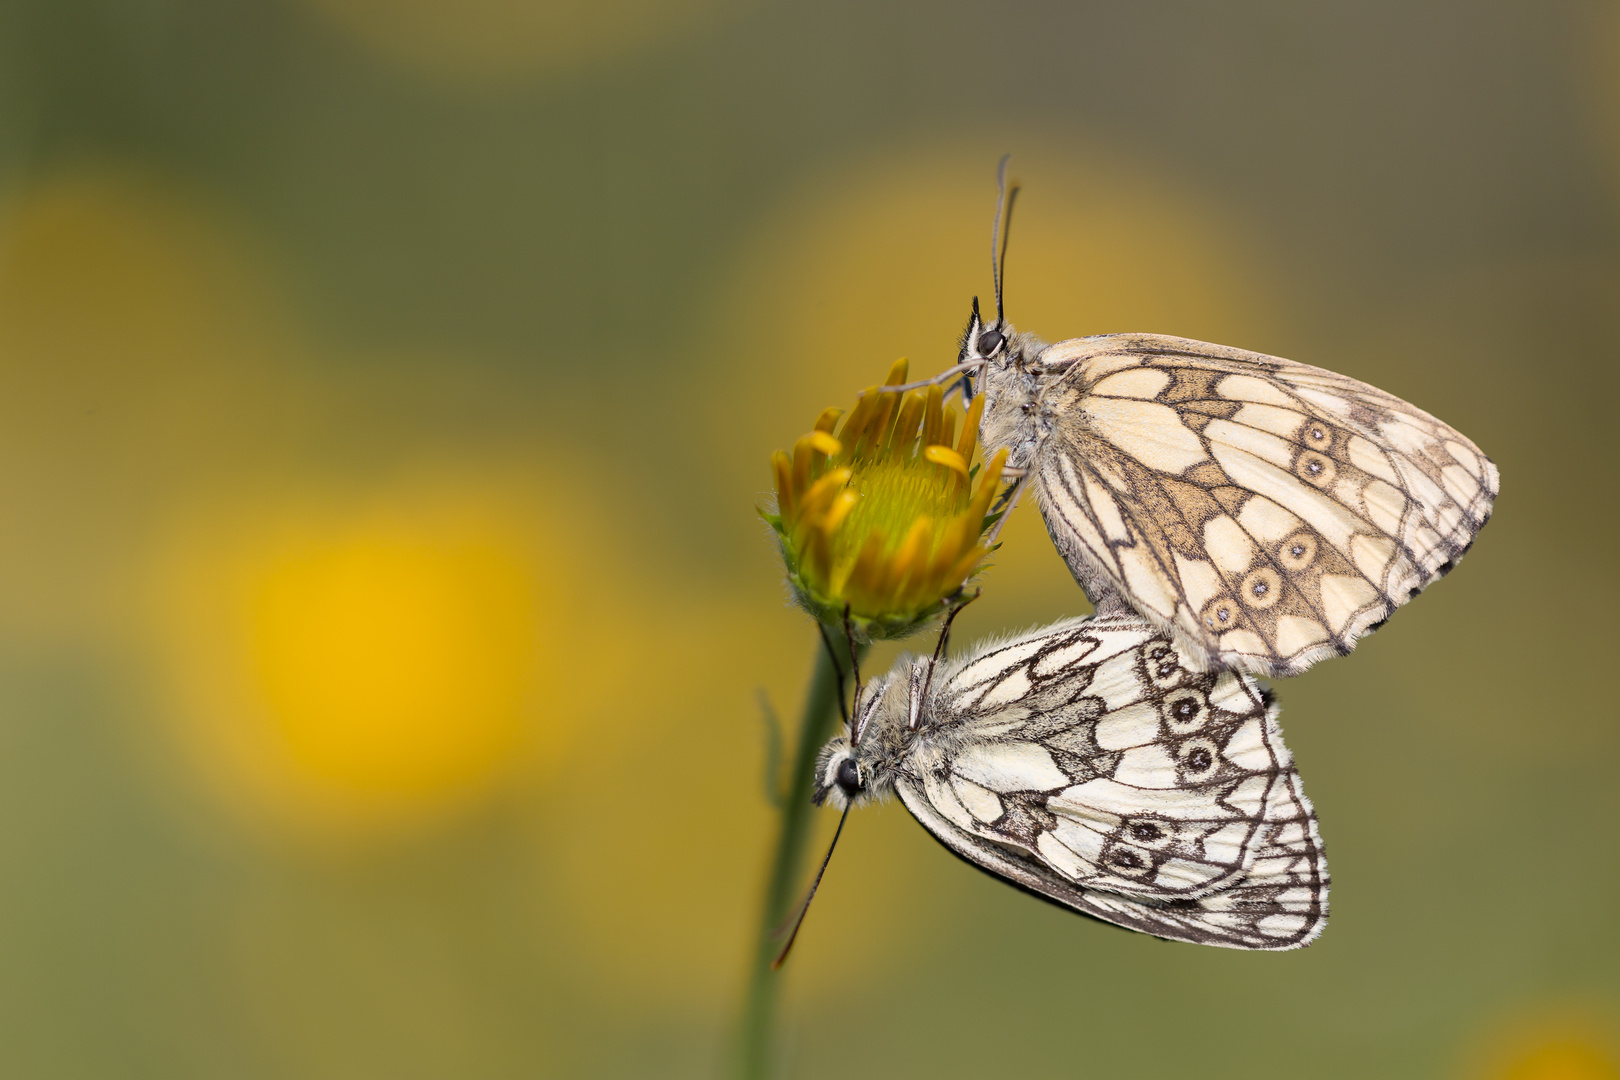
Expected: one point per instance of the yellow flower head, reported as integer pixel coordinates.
(879, 516)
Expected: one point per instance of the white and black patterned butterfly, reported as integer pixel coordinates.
(1264, 512)
(1089, 763)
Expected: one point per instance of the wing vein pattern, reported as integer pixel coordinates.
(1092, 763)
(1266, 513)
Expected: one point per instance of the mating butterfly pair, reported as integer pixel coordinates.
(1229, 514)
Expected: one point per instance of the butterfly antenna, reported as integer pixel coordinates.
(998, 241)
(1006, 234)
(838, 671)
(797, 918)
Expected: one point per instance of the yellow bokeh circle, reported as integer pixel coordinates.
(1552, 1040)
(393, 661)
(347, 668)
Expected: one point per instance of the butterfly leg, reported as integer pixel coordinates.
(854, 659)
(1009, 499)
(838, 671)
(966, 368)
(945, 631)
(939, 651)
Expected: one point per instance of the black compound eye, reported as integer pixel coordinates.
(989, 342)
(848, 777)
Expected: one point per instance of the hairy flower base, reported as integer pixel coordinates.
(880, 516)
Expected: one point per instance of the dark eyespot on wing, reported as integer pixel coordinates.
(1411, 493)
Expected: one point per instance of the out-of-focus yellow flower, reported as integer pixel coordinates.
(879, 517)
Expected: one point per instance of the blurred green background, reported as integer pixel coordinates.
(385, 392)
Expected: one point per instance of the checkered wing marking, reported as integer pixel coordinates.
(1089, 764)
(1267, 513)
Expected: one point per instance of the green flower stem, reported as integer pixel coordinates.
(756, 1037)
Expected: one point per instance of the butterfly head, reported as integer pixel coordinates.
(840, 778)
(983, 340)
(983, 344)
(858, 765)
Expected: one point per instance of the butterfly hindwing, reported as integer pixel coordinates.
(1090, 764)
(1267, 513)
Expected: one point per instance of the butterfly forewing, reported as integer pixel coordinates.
(1091, 764)
(1268, 513)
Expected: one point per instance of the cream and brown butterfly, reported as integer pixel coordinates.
(1090, 763)
(1265, 513)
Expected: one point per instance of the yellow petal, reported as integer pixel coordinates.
(821, 493)
(909, 556)
(804, 455)
(816, 565)
(989, 484)
(933, 415)
(784, 486)
(841, 506)
(970, 429)
(944, 455)
(858, 419)
(954, 540)
(801, 464)
(865, 571)
(877, 428)
(964, 567)
(904, 433)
